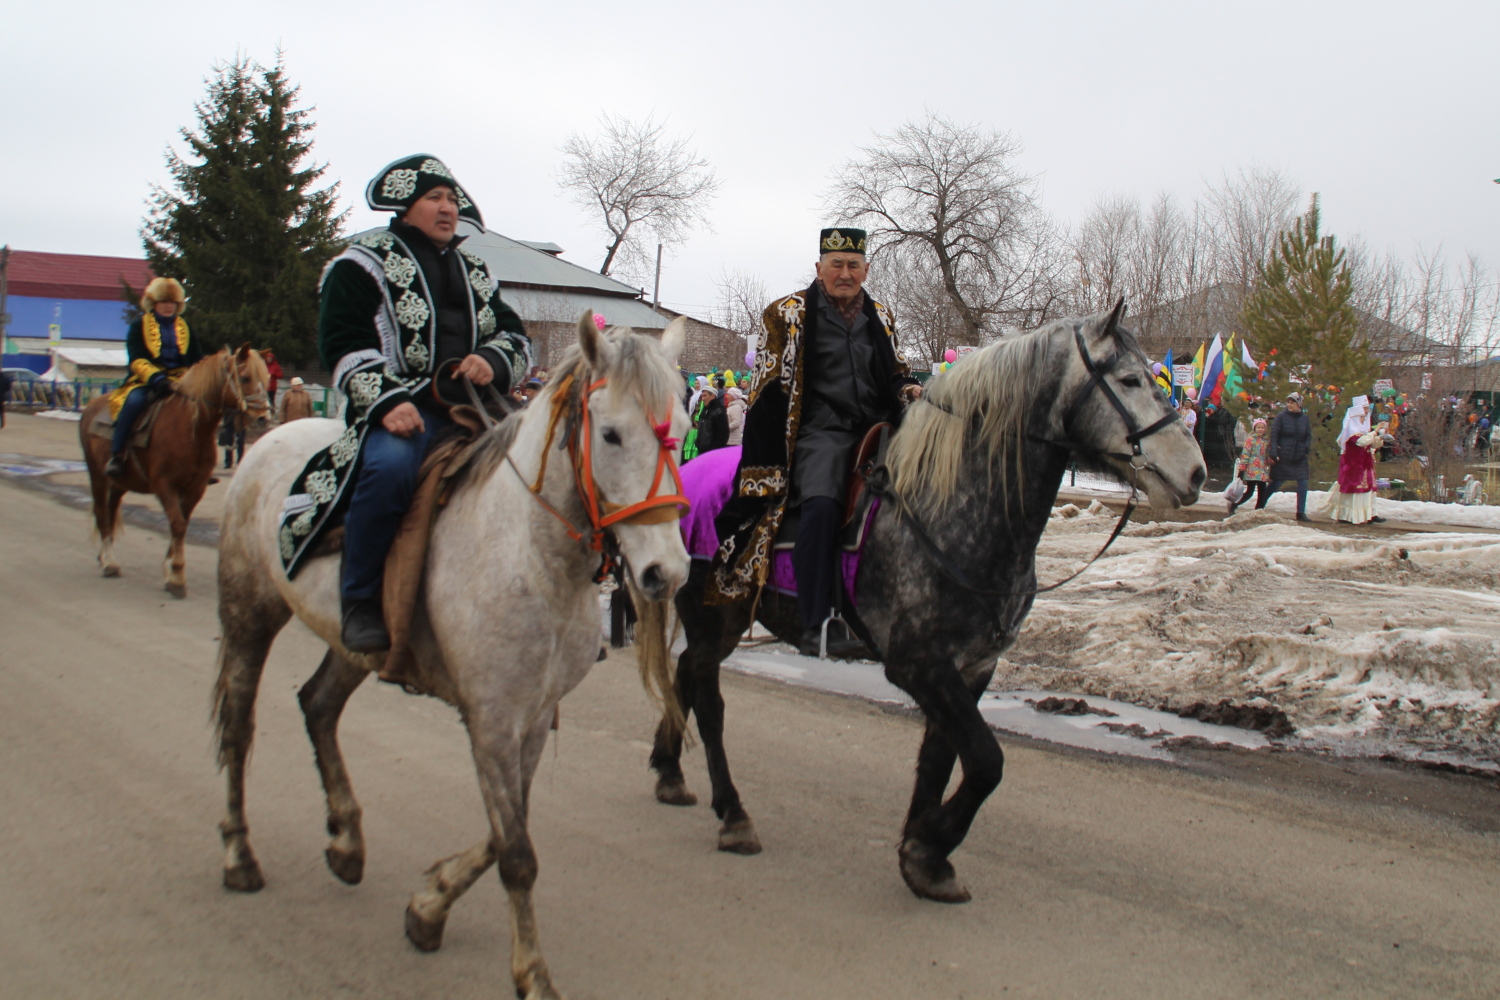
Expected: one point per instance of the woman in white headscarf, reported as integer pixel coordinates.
(735, 405)
(1352, 498)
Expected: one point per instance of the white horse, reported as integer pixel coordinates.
(508, 622)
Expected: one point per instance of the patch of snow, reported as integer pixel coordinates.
(61, 414)
(1393, 638)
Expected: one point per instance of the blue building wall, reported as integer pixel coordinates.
(79, 319)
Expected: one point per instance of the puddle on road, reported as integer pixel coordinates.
(1129, 730)
(31, 465)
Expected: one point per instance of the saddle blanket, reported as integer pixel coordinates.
(103, 425)
(708, 482)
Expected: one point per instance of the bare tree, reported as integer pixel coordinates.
(742, 302)
(1246, 216)
(951, 194)
(639, 182)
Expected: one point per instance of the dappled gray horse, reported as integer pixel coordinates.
(948, 572)
(509, 621)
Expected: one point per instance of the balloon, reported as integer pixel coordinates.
(1156, 367)
(1190, 392)
(599, 320)
(749, 359)
(950, 355)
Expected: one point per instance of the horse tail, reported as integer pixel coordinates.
(653, 655)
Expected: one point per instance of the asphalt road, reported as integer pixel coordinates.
(1092, 877)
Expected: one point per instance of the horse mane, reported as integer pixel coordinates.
(991, 393)
(639, 368)
(204, 382)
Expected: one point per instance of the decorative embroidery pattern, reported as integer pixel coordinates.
(399, 184)
(481, 282)
(412, 311)
(436, 168)
(342, 451)
(364, 389)
(486, 321)
(416, 355)
(400, 270)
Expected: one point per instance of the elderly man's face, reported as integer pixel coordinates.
(435, 214)
(843, 274)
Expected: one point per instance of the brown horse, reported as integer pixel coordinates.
(179, 461)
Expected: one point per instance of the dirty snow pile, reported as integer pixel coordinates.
(1373, 639)
(1408, 511)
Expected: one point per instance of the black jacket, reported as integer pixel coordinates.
(1291, 443)
(713, 425)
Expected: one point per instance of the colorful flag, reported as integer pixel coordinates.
(1245, 357)
(1198, 367)
(1164, 377)
(1213, 373)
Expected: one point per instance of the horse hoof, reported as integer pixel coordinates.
(110, 571)
(739, 838)
(930, 877)
(674, 793)
(348, 867)
(244, 877)
(177, 590)
(426, 935)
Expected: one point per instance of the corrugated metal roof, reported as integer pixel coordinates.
(543, 305)
(72, 275)
(96, 356)
(515, 263)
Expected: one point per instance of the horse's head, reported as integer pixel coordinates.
(1113, 413)
(245, 386)
(635, 427)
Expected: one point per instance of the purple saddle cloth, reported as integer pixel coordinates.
(708, 482)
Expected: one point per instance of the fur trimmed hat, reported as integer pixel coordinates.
(399, 184)
(163, 290)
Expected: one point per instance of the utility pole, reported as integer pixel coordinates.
(656, 292)
(4, 290)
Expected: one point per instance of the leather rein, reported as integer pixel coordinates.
(656, 508)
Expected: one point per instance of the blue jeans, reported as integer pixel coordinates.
(1301, 495)
(129, 411)
(383, 488)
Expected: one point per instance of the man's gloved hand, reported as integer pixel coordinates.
(158, 386)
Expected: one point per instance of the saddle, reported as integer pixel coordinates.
(103, 425)
(869, 454)
(405, 563)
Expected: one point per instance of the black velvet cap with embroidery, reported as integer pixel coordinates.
(400, 184)
(841, 241)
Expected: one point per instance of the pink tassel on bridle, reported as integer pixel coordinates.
(662, 431)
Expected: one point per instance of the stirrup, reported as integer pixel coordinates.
(833, 616)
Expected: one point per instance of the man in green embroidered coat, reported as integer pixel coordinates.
(406, 313)
(827, 369)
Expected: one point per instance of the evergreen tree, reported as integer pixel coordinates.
(241, 225)
(1300, 316)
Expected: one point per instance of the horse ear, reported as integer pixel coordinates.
(243, 352)
(1112, 326)
(674, 338)
(596, 349)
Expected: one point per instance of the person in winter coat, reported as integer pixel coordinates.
(734, 407)
(1291, 444)
(1254, 467)
(296, 403)
(713, 419)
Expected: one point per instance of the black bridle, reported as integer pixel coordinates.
(879, 483)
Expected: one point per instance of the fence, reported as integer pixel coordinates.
(77, 394)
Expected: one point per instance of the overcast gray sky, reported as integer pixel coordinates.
(1387, 109)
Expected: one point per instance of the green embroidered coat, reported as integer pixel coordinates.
(377, 330)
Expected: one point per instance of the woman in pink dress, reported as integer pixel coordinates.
(1352, 499)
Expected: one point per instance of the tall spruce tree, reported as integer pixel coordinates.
(1300, 317)
(241, 224)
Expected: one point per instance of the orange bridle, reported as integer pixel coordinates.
(657, 508)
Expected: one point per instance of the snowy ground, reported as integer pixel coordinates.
(1363, 642)
(1406, 511)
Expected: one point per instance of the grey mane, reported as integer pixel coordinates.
(989, 395)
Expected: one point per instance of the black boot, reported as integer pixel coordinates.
(116, 467)
(841, 645)
(364, 627)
